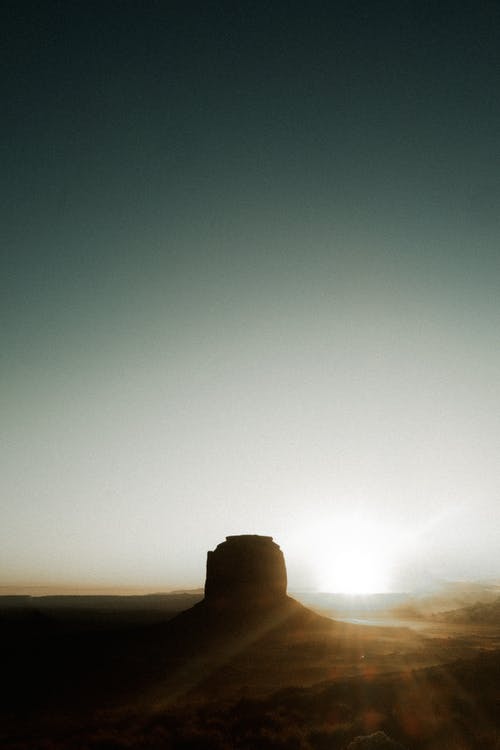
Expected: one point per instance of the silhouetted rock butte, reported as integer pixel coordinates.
(246, 571)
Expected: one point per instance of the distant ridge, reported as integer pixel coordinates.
(480, 613)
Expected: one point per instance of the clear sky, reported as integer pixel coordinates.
(251, 284)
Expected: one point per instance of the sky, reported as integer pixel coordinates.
(251, 284)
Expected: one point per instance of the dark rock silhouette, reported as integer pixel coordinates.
(246, 572)
(245, 595)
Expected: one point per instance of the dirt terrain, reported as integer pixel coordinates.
(74, 681)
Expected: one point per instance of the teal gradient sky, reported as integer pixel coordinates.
(251, 285)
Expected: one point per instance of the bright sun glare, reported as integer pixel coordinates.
(353, 560)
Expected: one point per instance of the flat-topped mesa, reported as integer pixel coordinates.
(246, 571)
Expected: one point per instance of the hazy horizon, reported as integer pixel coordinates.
(76, 590)
(251, 285)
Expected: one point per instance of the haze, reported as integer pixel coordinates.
(251, 286)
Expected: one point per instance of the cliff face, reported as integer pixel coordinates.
(246, 571)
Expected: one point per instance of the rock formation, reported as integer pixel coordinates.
(246, 571)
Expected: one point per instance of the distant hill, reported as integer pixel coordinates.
(350, 605)
(104, 611)
(449, 596)
(479, 613)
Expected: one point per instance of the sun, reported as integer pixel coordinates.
(353, 572)
(355, 559)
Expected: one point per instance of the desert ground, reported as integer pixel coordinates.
(157, 672)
